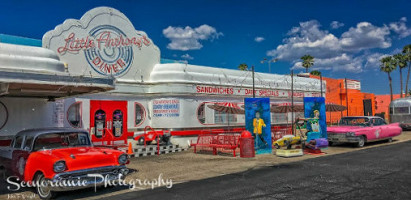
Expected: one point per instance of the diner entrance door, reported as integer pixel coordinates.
(108, 122)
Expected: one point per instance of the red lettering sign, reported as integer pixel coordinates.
(105, 40)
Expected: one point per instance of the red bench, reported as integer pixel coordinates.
(221, 141)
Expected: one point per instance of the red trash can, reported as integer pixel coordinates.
(247, 145)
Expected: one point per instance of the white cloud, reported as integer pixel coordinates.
(346, 53)
(365, 36)
(372, 61)
(401, 28)
(187, 57)
(188, 38)
(343, 62)
(336, 24)
(307, 38)
(259, 39)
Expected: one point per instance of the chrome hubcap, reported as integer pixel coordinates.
(43, 189)
(361, 143)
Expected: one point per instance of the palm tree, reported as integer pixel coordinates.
(400, 60)
(387, 66)
(308, 61)
(315, 73)
(243, 67)
(407, 51)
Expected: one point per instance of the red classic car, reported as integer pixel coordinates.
(55, 156)
(360, 130)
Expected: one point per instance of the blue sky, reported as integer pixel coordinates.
(347, 38)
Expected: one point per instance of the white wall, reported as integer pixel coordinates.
(27, 113)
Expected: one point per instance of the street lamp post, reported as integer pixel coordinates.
(269, 62)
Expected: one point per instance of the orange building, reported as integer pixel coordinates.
(357, 102)
(382, 103)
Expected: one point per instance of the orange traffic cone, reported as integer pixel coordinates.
(130, 149)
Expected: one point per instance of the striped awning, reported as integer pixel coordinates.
(227, 107)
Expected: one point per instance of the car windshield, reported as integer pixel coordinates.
(354, 121)
(61, 140)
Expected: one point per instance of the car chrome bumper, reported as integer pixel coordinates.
(87, 178)
(343, 138)
(405, 126)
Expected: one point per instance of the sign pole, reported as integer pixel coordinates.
(252, 68)
(321, 84)
(346, 95)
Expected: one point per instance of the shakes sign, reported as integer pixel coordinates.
(103, 42)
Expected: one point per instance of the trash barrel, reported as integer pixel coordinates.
(247, 145)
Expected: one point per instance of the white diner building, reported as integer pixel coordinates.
(99, 73)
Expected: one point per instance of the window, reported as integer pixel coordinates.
(201, 113)
(60, 140)
(139, 114)
(354, 121)
(100, 123)
(28, 143)
(117, 123)
(401, 110)
(74, 115)
(279, 118)
(221, 117)
(391, 111)
(3, 115)
(214, 113)
(378, 122)
(18, 142)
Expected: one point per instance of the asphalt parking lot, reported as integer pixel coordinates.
(376, 173)
(187, 168)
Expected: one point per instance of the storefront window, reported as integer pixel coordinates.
(140, 114)
(74, 115)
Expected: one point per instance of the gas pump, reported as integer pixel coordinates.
(118, 123)
(99, 122)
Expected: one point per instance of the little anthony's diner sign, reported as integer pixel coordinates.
(107, 49)
(104, 40)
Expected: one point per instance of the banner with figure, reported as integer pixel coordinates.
(314, 112)
(258, 122)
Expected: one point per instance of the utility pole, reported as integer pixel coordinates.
(346, 94)
(321, 84)
(252, 69)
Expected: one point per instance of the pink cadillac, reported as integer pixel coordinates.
(360, 130)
